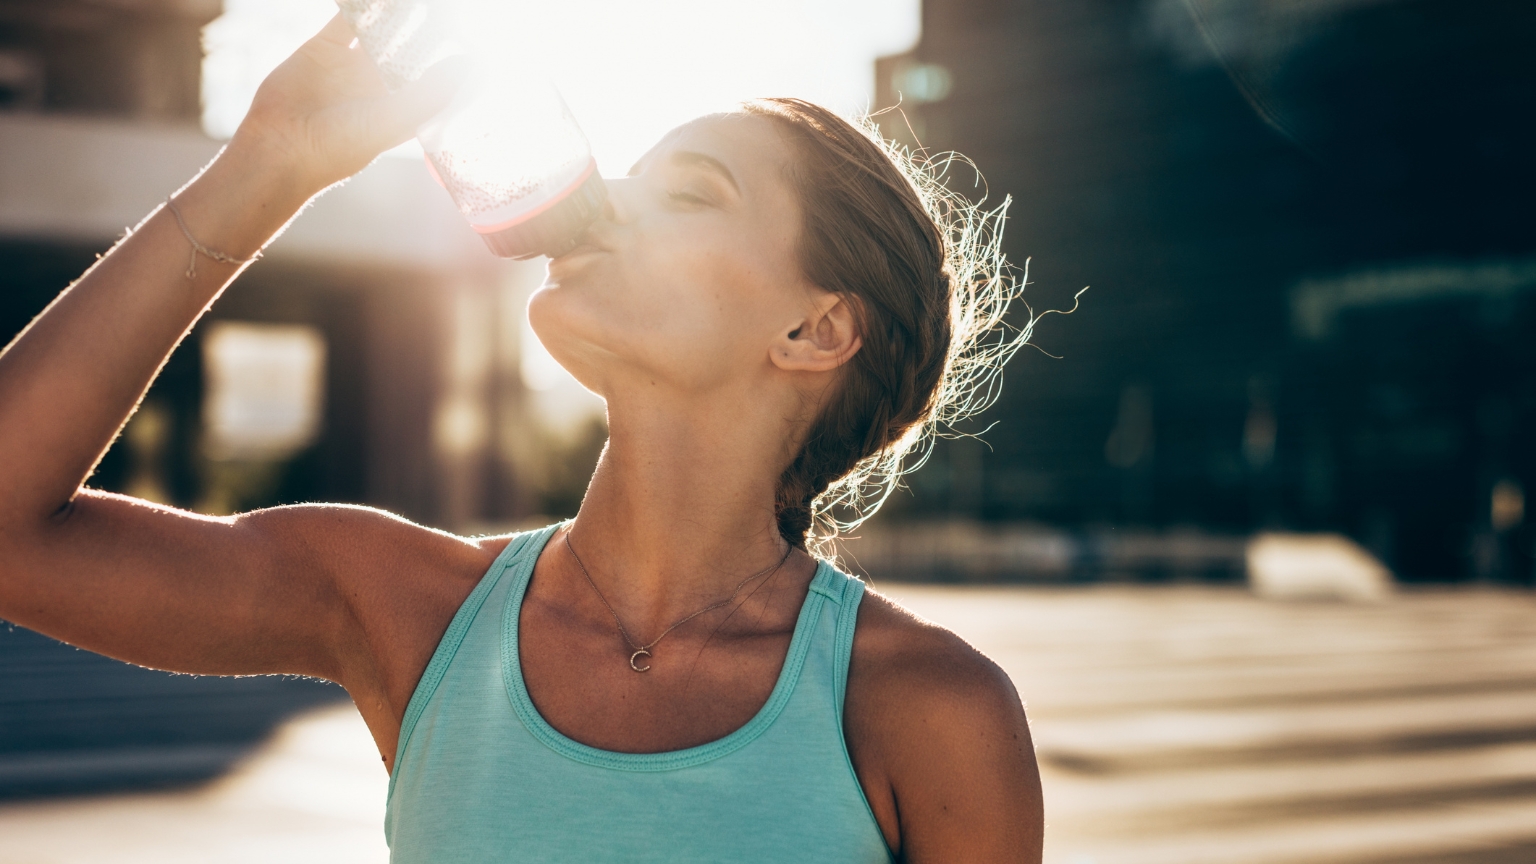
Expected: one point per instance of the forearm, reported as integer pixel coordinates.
(72, 378)
(153, 584)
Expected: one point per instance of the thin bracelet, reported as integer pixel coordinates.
(198, 248)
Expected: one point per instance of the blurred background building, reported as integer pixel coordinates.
(366, 360)
(372, 357)
(1307, 229)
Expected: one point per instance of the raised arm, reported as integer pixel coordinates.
(134, 580)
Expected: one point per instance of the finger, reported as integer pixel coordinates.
(416, 103)
(336, 30)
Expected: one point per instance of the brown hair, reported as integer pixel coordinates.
(924, 270)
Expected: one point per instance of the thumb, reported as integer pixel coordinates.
(421, 100)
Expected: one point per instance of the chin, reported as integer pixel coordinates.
(549, 313)
(571, 329)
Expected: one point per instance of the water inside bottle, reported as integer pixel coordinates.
(507, 148)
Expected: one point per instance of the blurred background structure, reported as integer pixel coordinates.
(1307, 227)
(1307, 231)
(365, 361)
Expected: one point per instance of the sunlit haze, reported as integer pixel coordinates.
(629, 70)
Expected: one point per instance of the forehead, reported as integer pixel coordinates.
(751, 147)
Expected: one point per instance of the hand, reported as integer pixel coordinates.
(325, 113)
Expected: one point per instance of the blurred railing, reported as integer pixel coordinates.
(966, 551)
(72, 721)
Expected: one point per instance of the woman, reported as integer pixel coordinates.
(771, 311)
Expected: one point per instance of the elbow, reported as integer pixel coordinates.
(64, 510)
(25, 529)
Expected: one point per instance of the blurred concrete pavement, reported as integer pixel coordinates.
(314, 793)
(1196, 725)
(1174, 724)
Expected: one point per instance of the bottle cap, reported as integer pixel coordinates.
(555, 229)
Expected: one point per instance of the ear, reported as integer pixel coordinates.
(822, 340)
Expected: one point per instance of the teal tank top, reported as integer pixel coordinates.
(480, 776)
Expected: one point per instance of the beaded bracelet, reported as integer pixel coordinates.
(198, 248)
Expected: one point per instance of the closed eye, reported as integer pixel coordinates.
(688, 198)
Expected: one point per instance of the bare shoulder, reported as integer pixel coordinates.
(898, 654)
(400, 580)
(401, 584)
(356, 542)
(938, 735)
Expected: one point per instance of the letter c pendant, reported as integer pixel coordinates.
(636, 656)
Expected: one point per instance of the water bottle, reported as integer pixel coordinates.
(506, 148)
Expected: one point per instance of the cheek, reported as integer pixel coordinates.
(697, 302)
(737, 305)
(683, 305)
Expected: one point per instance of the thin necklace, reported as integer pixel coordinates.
(645, 650)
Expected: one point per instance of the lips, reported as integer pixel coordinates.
(576, 258)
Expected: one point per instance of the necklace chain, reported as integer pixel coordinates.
(624, 632)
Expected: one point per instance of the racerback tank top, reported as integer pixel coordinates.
(480, 776)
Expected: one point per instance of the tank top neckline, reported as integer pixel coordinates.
(523, 563)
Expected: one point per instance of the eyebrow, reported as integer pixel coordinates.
(694, 158)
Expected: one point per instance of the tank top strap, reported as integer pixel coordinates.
(448, 647)
(843, 593)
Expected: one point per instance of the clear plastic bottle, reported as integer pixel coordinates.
(507, 148)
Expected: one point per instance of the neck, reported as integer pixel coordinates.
(681, 507)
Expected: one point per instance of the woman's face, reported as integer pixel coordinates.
(691, 273)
